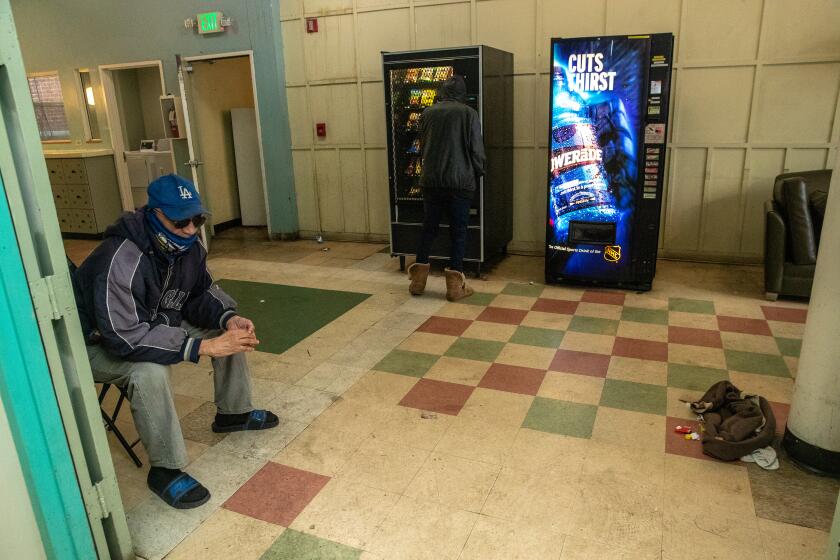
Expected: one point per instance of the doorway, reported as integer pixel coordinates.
(142, 134)
(222, 121)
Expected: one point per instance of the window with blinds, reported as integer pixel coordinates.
(49, 107)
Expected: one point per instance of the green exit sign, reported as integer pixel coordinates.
(210, 22)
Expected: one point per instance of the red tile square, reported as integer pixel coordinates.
(642, 349)
(548, 305)
(676, 444)
(743, 325)
(513, 379)
(276, 493)
(502, 315)
(437, 396)
(780, 411)
(583, 363)
(445, 325)
(610, 298)
(788, 314)
(694, 337)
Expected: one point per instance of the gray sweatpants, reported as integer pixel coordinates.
(152, 406)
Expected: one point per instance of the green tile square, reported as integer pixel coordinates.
(533, 336)
(593, 325)
(641, 315)
(403, 362)
(752, 362)
(479, 298)
(691, 305)
(694, 378)
(528, 290)
(474, 349)
(294, 545)
(789, 346)
(561, 417)
(637, 397)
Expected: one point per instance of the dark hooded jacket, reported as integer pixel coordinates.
(450, 139)
(132, 298)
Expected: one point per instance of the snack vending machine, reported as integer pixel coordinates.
(609, 106)
(412, 80)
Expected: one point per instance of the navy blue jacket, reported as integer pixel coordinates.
(132, 299)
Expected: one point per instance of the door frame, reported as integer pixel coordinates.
(188, 118)
(115, 121)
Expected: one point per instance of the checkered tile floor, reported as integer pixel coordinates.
(575, 353)
(535, 422)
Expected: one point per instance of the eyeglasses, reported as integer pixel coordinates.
(197, 221)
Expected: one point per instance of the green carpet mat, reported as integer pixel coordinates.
(285, 315)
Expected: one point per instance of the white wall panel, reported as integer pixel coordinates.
(542, 124)
(336, 105)
(369, 4)
(353, 191)
(299, 123)
(795, 101)
(315, 7)
(509, 25)
(568, 19)
(289, 9)
(685, 199)
(721, 30)
(722, 204)
(764, 166)
(529, 206)
(383, 31)
(328, 176)
(714, 106)
(642, 16)
(377, 185)
(442, 26)
(802, 28)
(305, 190)
(373, 105)
(523, 111)
(807, 159)
(330, 53)
(292, 53)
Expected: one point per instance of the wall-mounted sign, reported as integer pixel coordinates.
(208, 22)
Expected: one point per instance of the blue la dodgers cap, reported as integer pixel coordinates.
(176, 197)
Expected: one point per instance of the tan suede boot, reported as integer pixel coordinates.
(456, 285)
(418, 273)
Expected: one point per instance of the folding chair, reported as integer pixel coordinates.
(111, 422)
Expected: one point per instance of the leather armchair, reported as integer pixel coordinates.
(793, 221)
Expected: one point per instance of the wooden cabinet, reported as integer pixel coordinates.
(86, 193)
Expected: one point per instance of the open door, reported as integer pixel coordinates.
(194, 163)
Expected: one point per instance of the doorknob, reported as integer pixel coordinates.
(193, 163)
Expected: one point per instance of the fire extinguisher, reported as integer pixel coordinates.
(173, 123)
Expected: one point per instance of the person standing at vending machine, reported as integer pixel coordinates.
(453, 161)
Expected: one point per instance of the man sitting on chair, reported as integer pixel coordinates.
(146, 300)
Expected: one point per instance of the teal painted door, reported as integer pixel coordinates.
(45, 376)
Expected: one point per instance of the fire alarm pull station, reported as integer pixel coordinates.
(312, 25)
(321, 130)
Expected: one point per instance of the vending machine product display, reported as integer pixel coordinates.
(412, 80)
(608, 123)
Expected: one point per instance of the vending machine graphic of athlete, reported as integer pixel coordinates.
(596, 105)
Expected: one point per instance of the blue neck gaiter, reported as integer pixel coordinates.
(169, 243)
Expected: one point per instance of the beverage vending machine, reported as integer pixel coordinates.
(609, 116)
(412, 80)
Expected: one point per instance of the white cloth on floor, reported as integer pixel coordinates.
(765, 458)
